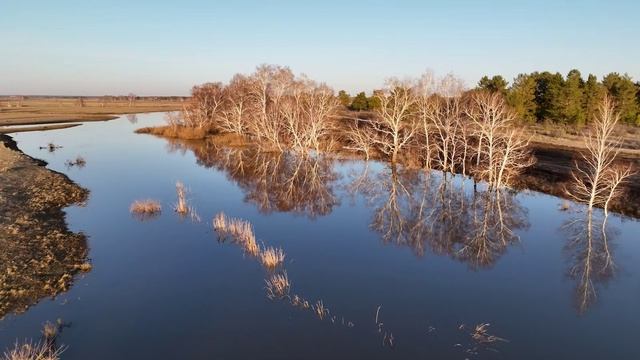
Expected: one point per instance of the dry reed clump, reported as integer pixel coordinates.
(278, 286)
(182, 207)
(272, 257)
(220, 222)
(239, 230)
(145, 207)
(32, 351)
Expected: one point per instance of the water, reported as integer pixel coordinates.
(431, 254)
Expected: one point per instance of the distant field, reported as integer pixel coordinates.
(33, 111)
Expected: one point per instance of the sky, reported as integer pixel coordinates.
(164, 47)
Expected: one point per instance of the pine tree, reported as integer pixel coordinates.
(593, 94)
(344, 98)
(359, 102)
(623, 91)
(573, 94)
(522, 97)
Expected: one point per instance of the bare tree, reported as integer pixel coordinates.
(361, 137)
(502, 151)
(235, 117)
(207, 102)
(596, 179)
(395, 118)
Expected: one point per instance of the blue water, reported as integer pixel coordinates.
(434, 256)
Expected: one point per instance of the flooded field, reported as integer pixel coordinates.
(376, 263)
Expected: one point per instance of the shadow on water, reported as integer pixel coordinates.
(274, 182)
(449, 215)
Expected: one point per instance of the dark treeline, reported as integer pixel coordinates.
(550, 97)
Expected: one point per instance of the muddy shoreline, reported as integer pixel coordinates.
(40, 256)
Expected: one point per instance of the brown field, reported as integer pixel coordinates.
(35, 111)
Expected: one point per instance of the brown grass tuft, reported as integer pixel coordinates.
(32, 351)
(220, 222)
(272, 257)
(278, 286)
(145, 209)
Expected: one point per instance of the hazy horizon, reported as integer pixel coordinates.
(157, 48)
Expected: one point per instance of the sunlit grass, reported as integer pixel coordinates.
(145, 207)
(29, 350)
(278, 286)
(272, 257)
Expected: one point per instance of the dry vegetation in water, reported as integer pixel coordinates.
(278, 286)
(29, 350)
(145, 209)
(272, 257)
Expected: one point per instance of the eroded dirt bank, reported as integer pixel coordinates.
(39, 255)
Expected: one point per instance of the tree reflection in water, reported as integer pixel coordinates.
(285, 182)
(420, 209)
(590, 256)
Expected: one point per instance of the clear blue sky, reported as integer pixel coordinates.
(164, 47)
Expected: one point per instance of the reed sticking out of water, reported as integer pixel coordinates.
(272, 257)
(481, 335)
(181, 206)
(220, 222)
(278, 286)
(320, 310)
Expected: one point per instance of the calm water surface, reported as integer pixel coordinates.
(427, 254)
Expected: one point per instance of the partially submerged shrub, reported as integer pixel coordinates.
(145, 209)
(79, 162)
(272, 257)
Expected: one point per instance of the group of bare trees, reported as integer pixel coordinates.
(435, 121)
(271, 106)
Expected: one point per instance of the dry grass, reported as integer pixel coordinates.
(239, 230)
(181, 206)
(272, 257)
(278, 286)
(145, 209)
(220, 222)
(32, 351)
(177, 132)
(320, 310)
(52, 110)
